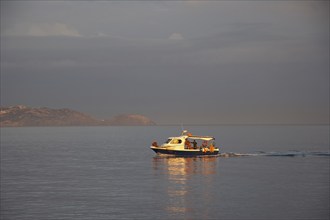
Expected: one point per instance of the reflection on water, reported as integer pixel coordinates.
(189, 184)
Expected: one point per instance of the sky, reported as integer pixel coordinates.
(176, 62)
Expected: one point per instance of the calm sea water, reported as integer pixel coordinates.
(110, 173)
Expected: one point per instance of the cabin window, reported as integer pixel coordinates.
(176, 141)
(168, 141)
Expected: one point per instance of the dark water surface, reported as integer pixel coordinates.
(110, 173)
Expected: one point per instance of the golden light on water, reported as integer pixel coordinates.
(180, 192)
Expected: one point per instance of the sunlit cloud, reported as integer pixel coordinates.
(43, 30)
(176, 36)
(101, 34)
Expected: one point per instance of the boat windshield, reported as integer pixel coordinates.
(168, 141)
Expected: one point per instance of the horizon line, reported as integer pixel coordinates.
(247, 124)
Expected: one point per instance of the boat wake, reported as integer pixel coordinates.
(278, 154)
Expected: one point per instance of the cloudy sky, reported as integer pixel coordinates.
(190, 62)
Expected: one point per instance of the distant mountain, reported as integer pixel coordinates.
(23, 116)
(20, 115)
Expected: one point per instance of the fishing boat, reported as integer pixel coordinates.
(187, 145)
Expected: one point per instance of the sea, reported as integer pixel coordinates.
(264, 172)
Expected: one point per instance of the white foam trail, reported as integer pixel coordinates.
(276, 154)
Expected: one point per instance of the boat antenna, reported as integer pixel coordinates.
(182, 130)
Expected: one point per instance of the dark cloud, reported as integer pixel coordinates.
(202, 67)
